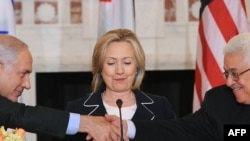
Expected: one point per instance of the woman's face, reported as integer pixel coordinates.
(120, 66)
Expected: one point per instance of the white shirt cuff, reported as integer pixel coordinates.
(74, 123)
(131, 129)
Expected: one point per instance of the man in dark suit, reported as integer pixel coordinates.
(49, 121)
(223, 105)
(15, 68)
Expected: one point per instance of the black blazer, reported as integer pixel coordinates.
(149, 107)
(37, 119)
(207, 124)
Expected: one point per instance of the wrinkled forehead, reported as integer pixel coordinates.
(234, 61)
(23, 61)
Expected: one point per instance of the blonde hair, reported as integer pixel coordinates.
(99, 53)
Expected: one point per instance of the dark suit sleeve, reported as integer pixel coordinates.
(190, 128)
(199, 126)
(36, 119)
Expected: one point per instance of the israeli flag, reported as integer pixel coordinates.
(7, 17)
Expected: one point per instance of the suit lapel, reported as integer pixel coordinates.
(94, 105)
(143, 102)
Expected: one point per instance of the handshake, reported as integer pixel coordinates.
(107, 128)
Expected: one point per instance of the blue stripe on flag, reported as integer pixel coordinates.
(7, 17)
(4, 32)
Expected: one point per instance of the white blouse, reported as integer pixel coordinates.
(127, 112)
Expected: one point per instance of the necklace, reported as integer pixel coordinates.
(105, 98)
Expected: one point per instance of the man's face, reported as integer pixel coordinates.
(234, 64)
(14, 77)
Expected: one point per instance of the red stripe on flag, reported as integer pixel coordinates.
(223, 19)
(210, 65)
(219, 21)
(198, 84)
(243, 5)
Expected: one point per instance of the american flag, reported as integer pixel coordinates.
(219, 21)
(116, 14)
(7, 18)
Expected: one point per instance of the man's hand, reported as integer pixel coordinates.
(115, 121)
(98, 128)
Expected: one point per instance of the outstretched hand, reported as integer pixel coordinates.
(115, 121)
(110, 132)
(98, 128)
